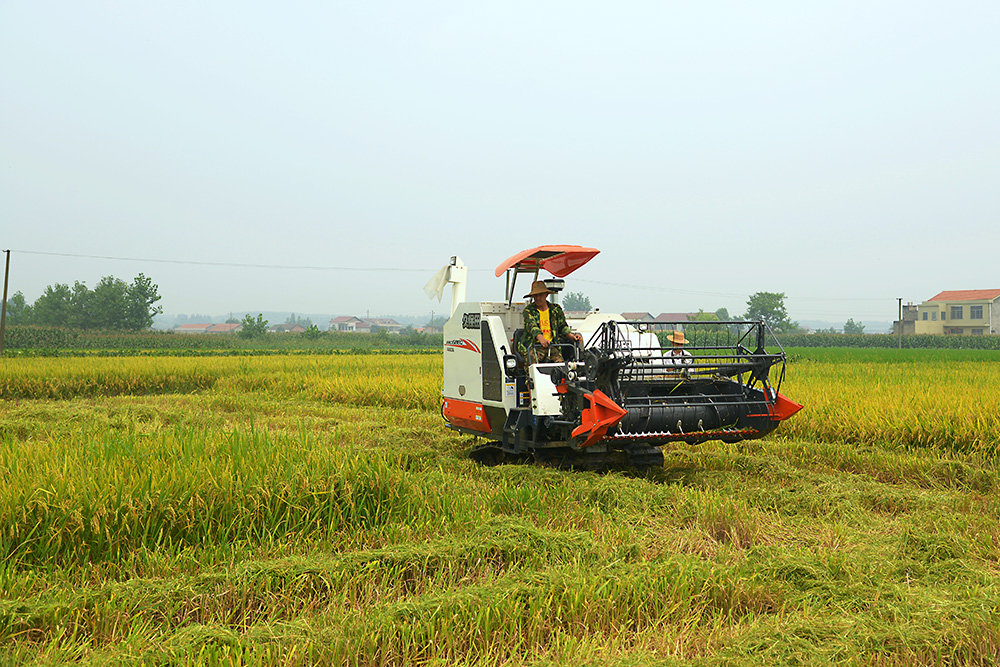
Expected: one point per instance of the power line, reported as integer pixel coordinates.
(227, 264)
(381, 269)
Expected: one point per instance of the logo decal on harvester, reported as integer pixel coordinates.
(471, 320)
(464, 344)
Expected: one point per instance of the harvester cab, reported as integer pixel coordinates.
(613, 400)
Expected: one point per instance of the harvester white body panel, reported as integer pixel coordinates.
(464, 350)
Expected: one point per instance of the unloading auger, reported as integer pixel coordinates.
(614, 399)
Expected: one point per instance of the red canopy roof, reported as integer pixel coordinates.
(559, 260)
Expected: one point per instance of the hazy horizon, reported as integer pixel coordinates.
(328, 157)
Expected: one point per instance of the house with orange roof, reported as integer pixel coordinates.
(971, 312)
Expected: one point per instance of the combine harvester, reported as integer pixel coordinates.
(615, 398)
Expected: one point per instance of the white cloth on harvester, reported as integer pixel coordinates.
(435, 286)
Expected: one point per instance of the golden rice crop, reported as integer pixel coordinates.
(65, 378)
(312, 510)
(389, 380)
(945, 404)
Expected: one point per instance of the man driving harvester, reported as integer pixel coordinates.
(544, 325)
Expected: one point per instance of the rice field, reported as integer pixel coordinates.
(300, 510)
(911, 398)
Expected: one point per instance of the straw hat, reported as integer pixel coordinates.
(538, 287)
(678, 338)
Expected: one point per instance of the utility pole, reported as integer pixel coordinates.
(900, 323)
(3, 308)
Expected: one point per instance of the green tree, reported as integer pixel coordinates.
(304, 322)
(312, 332)
(576, 301)
(53, 307)
(18, 310)
(140, 297)
(112, 304)
(852, 327)
(254, 328)
(702, 316)
(103, 308)
(770, 307)
(80, 316)
(723, 314)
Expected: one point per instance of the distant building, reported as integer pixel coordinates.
(910, 315)
(193, 328)
(671, 321)
(365, 324)
(225, 328)
(387, 324)
(345, 323)
(286, 328)
(960, 313)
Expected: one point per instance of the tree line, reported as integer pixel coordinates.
(768, 307)
(113, 304)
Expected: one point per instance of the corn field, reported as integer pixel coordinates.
(311, 509)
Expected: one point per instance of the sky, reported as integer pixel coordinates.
(324, 156)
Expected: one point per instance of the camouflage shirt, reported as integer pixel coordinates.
(533, 327)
